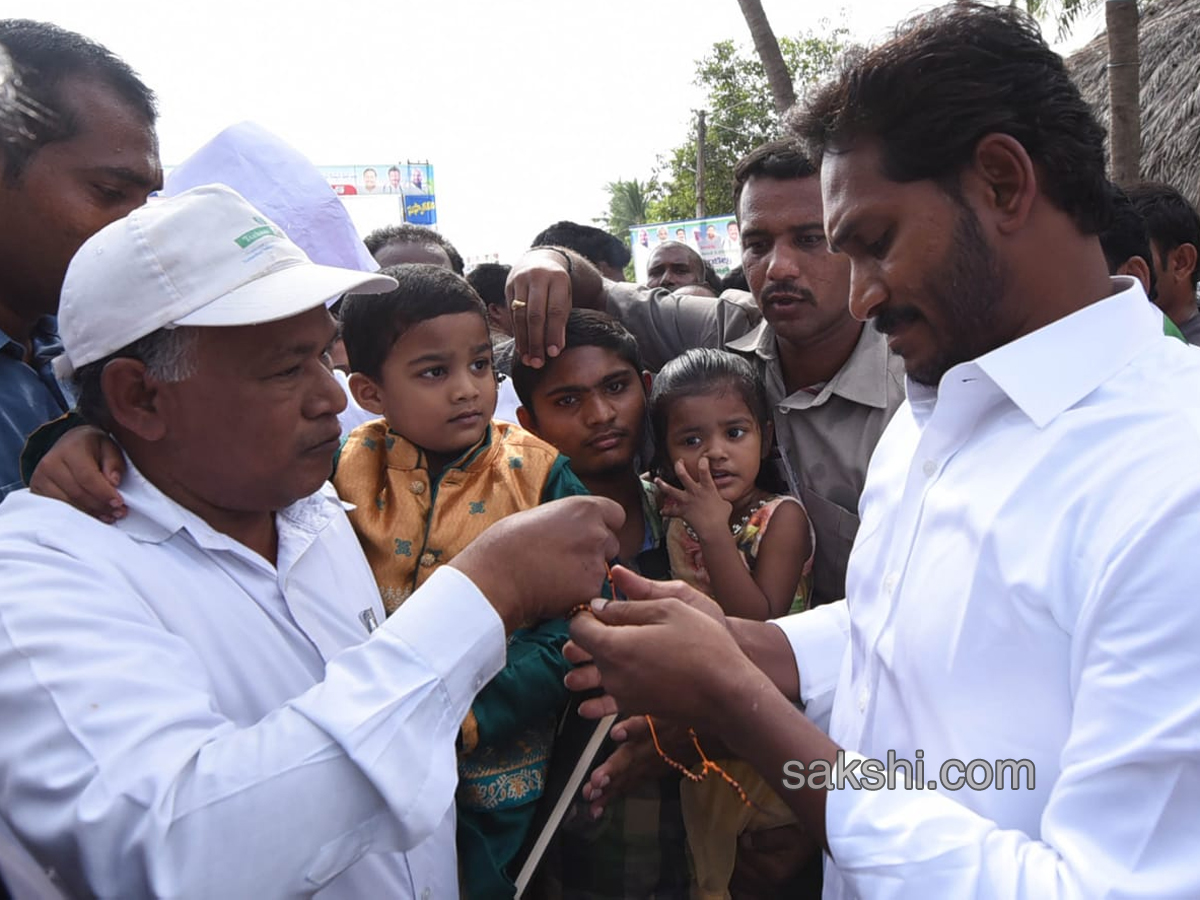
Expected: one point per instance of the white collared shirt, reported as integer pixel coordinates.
(1023, 587)
(182, 718)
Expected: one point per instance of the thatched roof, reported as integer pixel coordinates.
(1169, 35)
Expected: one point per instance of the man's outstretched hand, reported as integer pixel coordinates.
(666, 652)
(541, 563)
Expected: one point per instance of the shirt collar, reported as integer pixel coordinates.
(9, 347)
(760, 340)
(1048, 371)
(44, 339)
(403, 454)
(153, 517)
(863, 377)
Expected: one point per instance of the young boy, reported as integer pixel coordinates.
(428, 478)
(590, 403)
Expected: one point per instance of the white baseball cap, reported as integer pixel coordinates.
(204, 257)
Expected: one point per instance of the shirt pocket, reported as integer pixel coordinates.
(338, 855)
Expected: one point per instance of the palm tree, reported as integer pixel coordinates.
(767, 46)
(1063, 13)
(1124, 99)
(1124, 103)
(627, 202)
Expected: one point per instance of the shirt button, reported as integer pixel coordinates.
(889, 584)
(417, 487)
(863, 696)
(426, 894)
(428, 559)
(929, 468)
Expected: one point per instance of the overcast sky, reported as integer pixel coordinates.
(526, 108)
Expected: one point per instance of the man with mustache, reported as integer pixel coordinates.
(830, 379)
(1015, 601)
(204, 699)
(672, 265)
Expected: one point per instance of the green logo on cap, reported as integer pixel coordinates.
(254, 234)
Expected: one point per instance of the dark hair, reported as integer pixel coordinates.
(392, 169)
(781, 160)
(699, 373)
(947, 79)
(1126, 236)
(735, 281)
(372, 323)
(585, 328)
(1170, 220)
(45, 56)
(489, 279)
(593, 244)
(412, 234)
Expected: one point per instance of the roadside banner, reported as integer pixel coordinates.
(409, 185)
(715, 238)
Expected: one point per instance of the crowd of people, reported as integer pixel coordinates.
(319, 553)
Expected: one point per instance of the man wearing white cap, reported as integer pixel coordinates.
(191, 704)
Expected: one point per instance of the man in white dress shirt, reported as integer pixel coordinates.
(204, 699)
(1020, 616)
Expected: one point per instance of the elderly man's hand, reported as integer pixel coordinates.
(540, 563)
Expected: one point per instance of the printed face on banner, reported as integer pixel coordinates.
(716, 239)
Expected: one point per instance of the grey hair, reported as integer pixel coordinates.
(169, 355)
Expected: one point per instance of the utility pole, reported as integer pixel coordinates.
(700, 164)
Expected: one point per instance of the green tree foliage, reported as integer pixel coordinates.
(740, 116)
(1064, 14)
(628, 205)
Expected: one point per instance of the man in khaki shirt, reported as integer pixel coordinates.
(831, 380)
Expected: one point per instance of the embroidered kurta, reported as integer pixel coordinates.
(411, 523)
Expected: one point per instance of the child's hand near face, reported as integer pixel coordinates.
(698, 502)
(83, 468)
